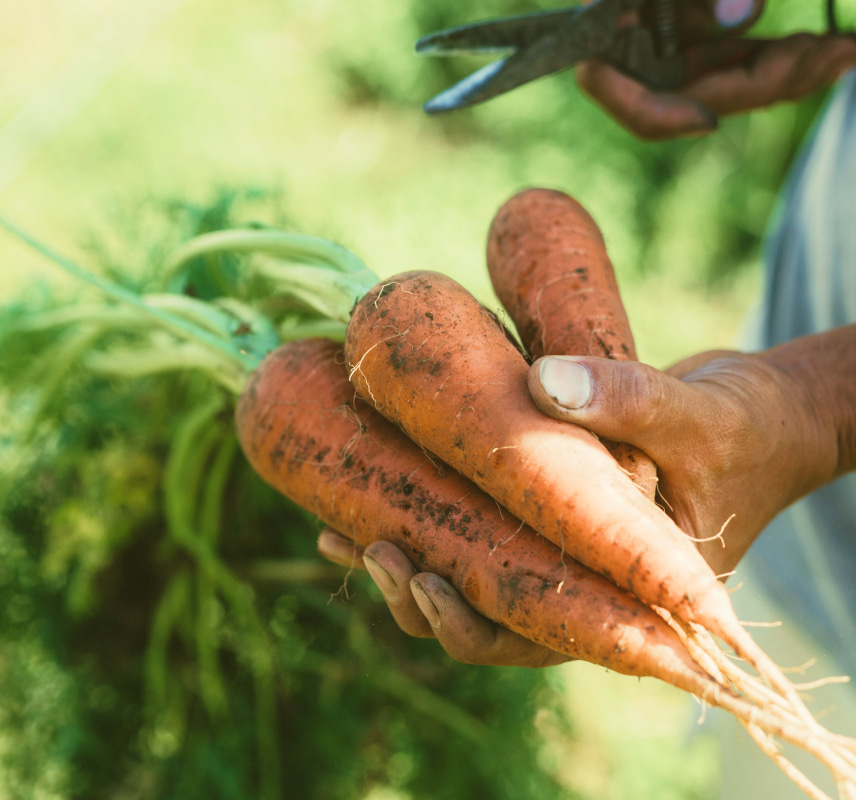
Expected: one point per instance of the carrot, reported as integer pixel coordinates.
(441, 365)
(548, 264)
(550, 269)
(301, 430)
(432, 360)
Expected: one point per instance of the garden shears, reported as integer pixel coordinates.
(547, 42)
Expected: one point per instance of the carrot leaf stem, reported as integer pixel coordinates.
(323, 275)
(290, 246)
(327, 292)
(176, 325)
(324, 328)
(109, 316)
(140, 361)
(182, 497)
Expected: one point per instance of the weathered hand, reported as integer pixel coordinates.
(736, 437)
(729, 75)
(426, 606)
(733, 434)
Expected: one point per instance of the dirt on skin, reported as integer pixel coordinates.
(550, 269)
(455, 377)
(305, 433)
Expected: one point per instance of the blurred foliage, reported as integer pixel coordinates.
(693, 209)
(167, 630)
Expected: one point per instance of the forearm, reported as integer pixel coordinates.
(823, 370)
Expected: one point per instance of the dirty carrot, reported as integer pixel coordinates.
(550, 269)
(434, 361)
(439, 365)
(304, 432)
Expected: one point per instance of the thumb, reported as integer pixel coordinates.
(731, 13)
(620, 400)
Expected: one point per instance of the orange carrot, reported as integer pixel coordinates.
(432, 360)
(439, 364)
(303, 433)
(550, 269)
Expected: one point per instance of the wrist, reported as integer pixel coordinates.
(821, 370)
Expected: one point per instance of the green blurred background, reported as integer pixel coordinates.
(128, 126)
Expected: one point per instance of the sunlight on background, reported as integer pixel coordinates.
(106, 102)
(310, 111)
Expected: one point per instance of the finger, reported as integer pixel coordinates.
(340, 550)
(648, 114)
(392, 572)
(732, 13)
(471, 638)
(782, 69)
(625, 401)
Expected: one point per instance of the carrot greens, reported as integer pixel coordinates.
(166, 620)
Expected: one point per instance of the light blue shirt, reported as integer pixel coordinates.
(806, 559)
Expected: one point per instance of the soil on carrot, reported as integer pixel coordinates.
(374, 483)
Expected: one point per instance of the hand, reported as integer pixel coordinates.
(733, 434)
(729, 75)
(426, 606)
(736, 438)
(732, 449)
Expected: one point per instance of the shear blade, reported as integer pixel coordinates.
(542, 44)
(472, 89)
(438, 44)
(494, 36)
(544, 58)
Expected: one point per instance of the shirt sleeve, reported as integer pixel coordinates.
(806, 559)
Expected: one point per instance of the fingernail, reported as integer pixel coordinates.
(426, 604)
(733, 12)
(382, 578)
(566, 381)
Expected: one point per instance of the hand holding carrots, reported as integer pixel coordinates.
(737, 437)
(427, 606)
(731, 75)
(419, 442)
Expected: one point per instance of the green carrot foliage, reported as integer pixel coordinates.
(167, 628)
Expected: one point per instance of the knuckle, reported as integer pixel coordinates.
(417, 628)
(641, 395)
(802, 40)
(470, 646)
(726, 425)
(651, 127)
(464, 653)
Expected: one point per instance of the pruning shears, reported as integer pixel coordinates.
(543, 43)
(547, 42)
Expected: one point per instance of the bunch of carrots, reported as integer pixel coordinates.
(409, 420)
